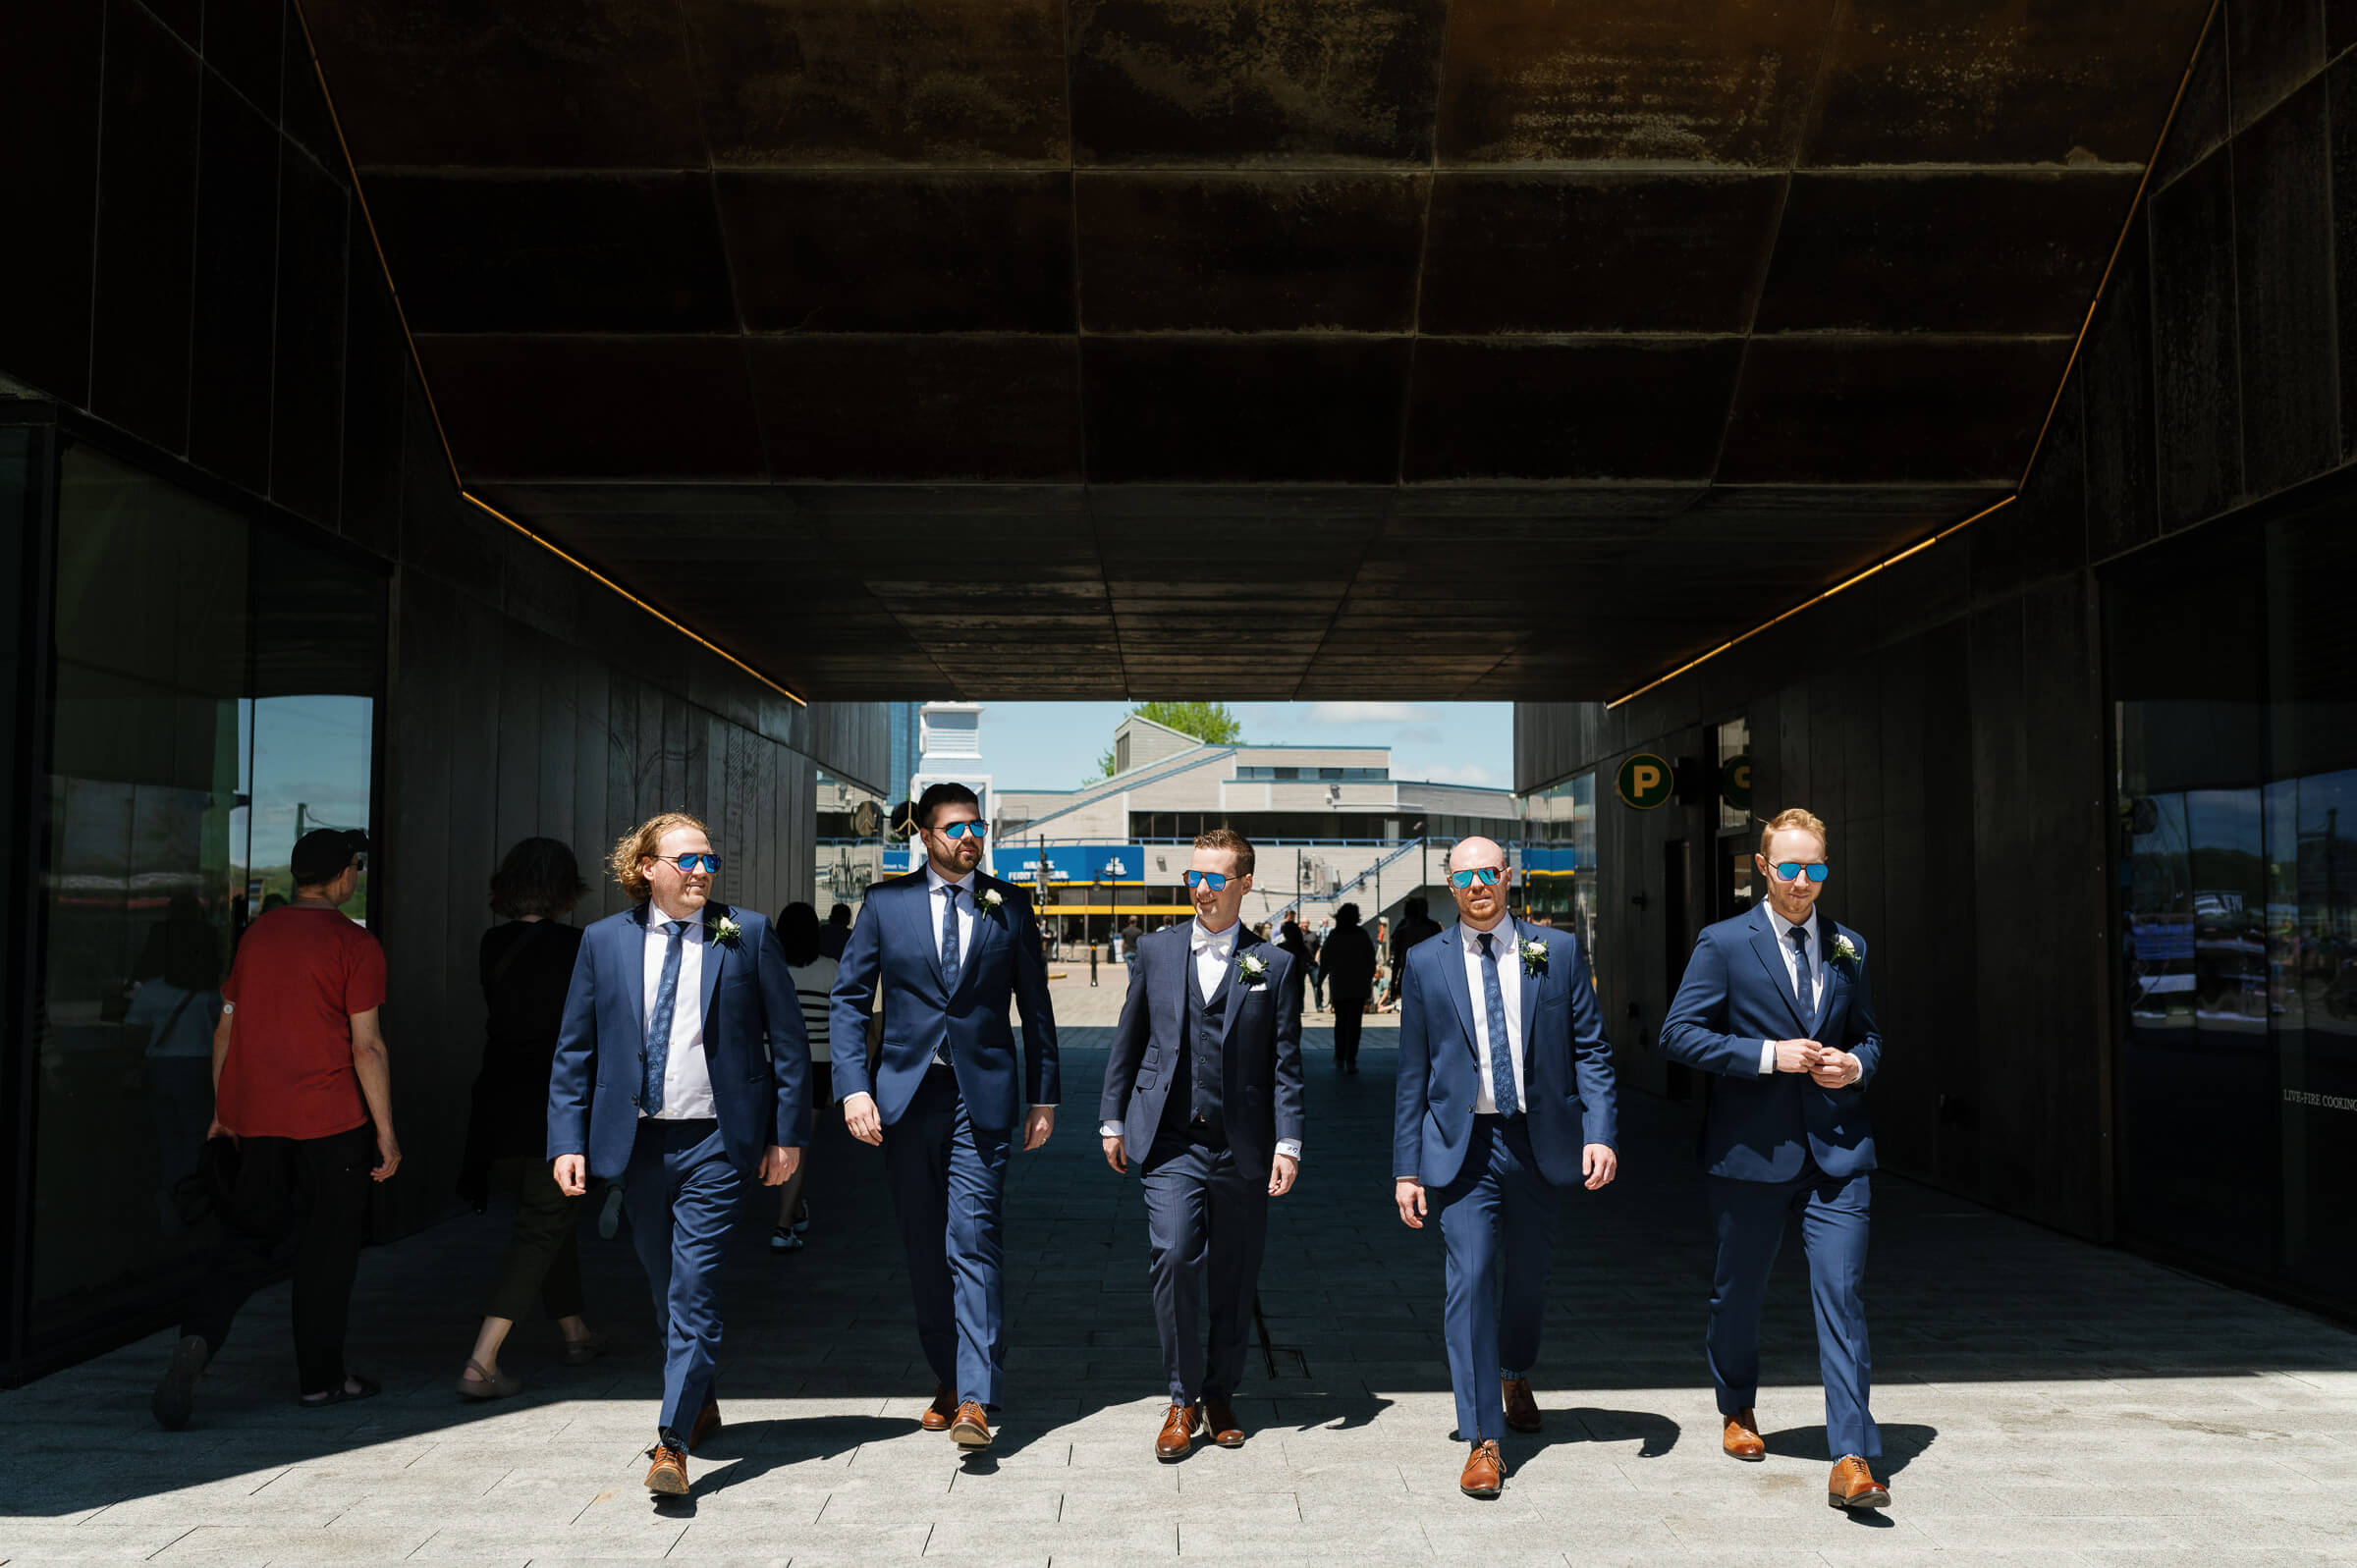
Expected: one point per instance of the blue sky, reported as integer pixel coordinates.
(1055, 745)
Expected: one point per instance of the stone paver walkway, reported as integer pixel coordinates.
(2043, 1400)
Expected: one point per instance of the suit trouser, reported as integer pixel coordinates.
(1497, 1224)
(1207, 1222)
(948, 1179)
(1349, 1016)
(1749, 1218)
(320, 1186)
(682, 1192)
(544, 1246)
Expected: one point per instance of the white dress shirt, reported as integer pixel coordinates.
(1213, 951)
(1784, 930)
(687, 1075)
(1509, 988)
(939, 902)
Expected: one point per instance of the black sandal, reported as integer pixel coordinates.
(368, 1388)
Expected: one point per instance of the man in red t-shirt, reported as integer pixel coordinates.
(302, 1084)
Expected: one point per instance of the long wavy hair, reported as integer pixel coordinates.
(639, 844)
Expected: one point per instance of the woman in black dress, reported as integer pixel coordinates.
(527, 965)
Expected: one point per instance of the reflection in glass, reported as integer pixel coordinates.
(1558, 855)
(214, 686)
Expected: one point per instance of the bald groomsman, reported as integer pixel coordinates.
(1776, 1004)
(1505, 1096)
(1203, 1092)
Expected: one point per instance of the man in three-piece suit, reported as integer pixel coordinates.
(1505, 1096)
(679, 1071)
(1203, 1091)
(1777, 1008)
(948, 948)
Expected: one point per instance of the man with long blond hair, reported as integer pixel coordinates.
(1777, 1007)
(680, 1070)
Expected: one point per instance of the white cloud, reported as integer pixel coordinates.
(1369, 713)
(1467, 773)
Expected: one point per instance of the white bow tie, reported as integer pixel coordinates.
(1205, 944)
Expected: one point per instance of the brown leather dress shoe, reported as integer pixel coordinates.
(1741, 1440)
(940, 1412)
(1218, 1419)
(1485, 1471)
(667, 1477)
(1852, 1485)
(707, 1422)
(972, 1429)
(1521, 1411)
(1177, 1436)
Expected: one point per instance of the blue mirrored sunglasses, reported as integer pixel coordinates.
(711, 864)
(1790, 870)
(958, 830)
(1215, 881)
(1487, 876)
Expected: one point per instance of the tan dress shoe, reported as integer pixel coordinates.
(1177, 1436)
(1218, 1420)
(940, 1412)
(667, 1477)
(972, 1429)
(1741, 1440)
(1852, 1485)
(1485, 1471)
(707, 1422)
(1521, 1411)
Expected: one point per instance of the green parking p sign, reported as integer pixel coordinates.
(1646, 782)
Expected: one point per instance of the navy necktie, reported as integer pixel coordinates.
(658, 1027)
(1801, 988)
(1501, 1061)
(949, 937)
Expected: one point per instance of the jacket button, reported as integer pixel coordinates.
(634, 1100)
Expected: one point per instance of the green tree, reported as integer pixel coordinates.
(1211, 723)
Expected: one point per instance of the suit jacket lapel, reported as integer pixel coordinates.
(634, 967)
(915, 909)
(715, 955)
(1827, 933)
(1530, 986)
(1765, 943)
(970, 950)
(1460, 989)
(1179, 958)
(1234, 985)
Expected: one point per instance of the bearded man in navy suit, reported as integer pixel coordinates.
(1504, 1097)
(681, 1071)
(1777, 1008)
(947, 948)
(1203, 1091)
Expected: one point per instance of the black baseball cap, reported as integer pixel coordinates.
(322, 854)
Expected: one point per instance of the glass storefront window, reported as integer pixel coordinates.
(1734, 740)
(1558, 856)
(2234, 717)
(216, 690)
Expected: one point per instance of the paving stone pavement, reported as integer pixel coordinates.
(2043, 1400)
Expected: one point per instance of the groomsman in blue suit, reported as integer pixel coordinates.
(1505, 1096)
(1203, 1091)
(681, 1071)
(948, 948)
(1775, 1006)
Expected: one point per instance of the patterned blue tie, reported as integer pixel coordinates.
(1803, 988)
(949, 939)
(1502, 1063)
(658, 1027)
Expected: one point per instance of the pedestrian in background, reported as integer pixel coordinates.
(813, 971)
(524, 966)
(836, 932)
(1351, 976)
(304, 1088)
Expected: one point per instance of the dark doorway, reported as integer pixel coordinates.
(1677, 943)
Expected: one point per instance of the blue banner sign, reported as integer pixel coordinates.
(1073, 863)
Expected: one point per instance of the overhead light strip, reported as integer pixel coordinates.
(586, 570)
(1915, 549)
(2086, 324)
(434, 410)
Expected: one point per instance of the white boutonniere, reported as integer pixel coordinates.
(726, 932)
(1843, 947)
(1253, 968)
(990, 900)
(1534, 956)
